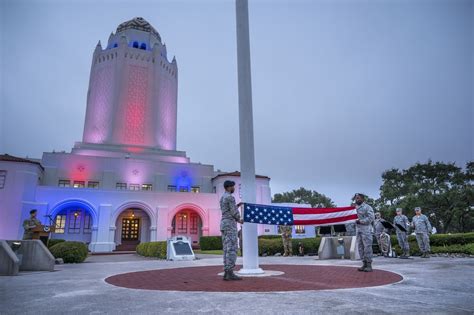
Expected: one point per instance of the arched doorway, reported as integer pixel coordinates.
(132, 228)
(187, 223)
(73, 221)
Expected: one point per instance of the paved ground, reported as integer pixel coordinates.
(433, 286)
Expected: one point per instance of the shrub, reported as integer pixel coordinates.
(269, 237)
(271, 246)
(440, 243)
(152, 249)
(70, 252)
(52, 242)
(210, 242)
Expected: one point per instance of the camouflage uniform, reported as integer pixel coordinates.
(402, 236)
(378, 229)
(28, 225)
(230, 216)
(286, 235)
(422, 227)
(350, 229)
(365, 215)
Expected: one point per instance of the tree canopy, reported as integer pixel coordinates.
(304, 196)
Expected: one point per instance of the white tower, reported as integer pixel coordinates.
(132, 96)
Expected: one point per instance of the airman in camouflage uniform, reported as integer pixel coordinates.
(422, 227)
(286, 235)
(378, 228)
(402, 236)
(230, 217)
(365, 218)
(30, 224)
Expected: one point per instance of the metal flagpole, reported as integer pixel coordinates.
(247, 155)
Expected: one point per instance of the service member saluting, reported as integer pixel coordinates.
(422, 227)
(230, 217)
(365, 217)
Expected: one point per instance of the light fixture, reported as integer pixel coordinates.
(76, 214)
(133, 214)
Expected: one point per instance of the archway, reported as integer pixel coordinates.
(189, 221)
(133, 225)
(74, 220)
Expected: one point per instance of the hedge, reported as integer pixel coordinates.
(210, 242)
(52, 242)
(70, 252)
(152, 249)
(271, 246)
(440, 243)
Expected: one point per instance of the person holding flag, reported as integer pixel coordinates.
(229, 220)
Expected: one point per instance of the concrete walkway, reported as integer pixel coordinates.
(430, 286)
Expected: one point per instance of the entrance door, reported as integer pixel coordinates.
(188, 223)
(130, 234)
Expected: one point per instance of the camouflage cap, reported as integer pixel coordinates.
(417, 209)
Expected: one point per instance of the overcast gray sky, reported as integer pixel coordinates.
(342, 89)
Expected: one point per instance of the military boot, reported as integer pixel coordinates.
(227, 275)
(363, 267)
(423, 255)
(233, 276)
(368, 268)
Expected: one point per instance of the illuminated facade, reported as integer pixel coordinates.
(125, 182)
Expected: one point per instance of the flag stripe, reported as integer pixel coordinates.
(320, 210)
(330, 221)
(323, 215)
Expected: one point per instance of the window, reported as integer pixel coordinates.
(299, 229)
(60, 224)
(64, 183)
(134, 187)
(214, 189)
(115, 45)
(121, 186)
(3, 177)
(87, 224)
(195, 189)
(143, 46)
(74, 222)
(135, 45)
(94, 185)
(194, 224)
(172, 188)
(79, 184)
(183, 189)
(181, 223)
(148, 187)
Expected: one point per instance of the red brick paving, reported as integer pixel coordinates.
(296, 278)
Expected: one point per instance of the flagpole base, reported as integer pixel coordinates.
(250, 272)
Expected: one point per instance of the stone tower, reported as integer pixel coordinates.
(132, 96)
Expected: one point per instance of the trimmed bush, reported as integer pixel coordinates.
(210, 242)
(271, 246)
(269, 237)
(152, 249)
(70, 252)
(440, 243)
(52, 242)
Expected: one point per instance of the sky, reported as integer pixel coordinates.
(342, 90)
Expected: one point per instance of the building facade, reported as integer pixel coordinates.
(125, 182)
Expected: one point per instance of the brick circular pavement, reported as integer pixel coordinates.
(295, 278)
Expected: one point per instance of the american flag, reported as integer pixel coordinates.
(276, 215)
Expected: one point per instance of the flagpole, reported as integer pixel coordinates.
(247, 155)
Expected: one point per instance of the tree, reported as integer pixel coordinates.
(305, 196)
(443, 190)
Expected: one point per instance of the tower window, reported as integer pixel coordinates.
(115, 45)
(135, 45)
(134, 186)
(64, 183)
(3, 177)
(143, 46)
(147, 187)
(121, 186)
